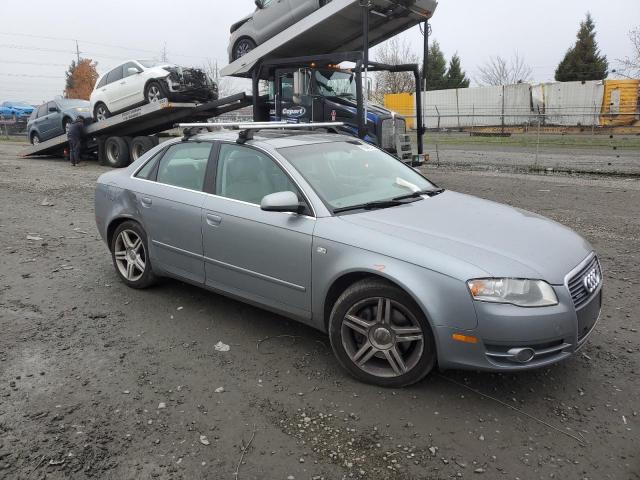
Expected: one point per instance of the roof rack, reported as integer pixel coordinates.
(247, 129)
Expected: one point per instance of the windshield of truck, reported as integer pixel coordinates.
(333, 83)
(351, 173)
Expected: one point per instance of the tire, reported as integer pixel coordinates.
(387, 362)
(116, 152)
(65, 125)
(242, 47)
(130, 256)
(154, 92)
(140, 146)
(101, 112)
(35, 139)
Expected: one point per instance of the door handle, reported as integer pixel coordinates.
(123, 83)
(213, 220)
(146, 201)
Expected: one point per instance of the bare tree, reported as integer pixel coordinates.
(500, 71)
(394, 52)
(226, 86)
(631, 65)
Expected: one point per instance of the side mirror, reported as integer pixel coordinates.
(259, 4)
(281, 202)
(133, 71)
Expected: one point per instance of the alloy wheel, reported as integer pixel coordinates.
(130, 255)
(35, 140)
(243, 48)
(154, 94)
(382, 337)
(101, 113)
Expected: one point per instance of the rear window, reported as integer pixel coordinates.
(115, 75)
(102, 82)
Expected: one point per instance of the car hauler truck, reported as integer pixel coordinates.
(317, 70)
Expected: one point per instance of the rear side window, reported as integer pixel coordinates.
(185, 165)
(42, 110)
(115, 75)
(103, 82)
(147, 171)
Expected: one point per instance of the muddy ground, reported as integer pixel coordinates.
(100, 381)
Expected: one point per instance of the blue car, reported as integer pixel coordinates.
(19, 110)
(51, 119)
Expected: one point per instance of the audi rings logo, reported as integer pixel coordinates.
(591, 280)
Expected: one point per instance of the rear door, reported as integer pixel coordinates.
(262, 256)
(271, 19)
(170, 197)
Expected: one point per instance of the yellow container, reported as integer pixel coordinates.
(403, 104)
(621, 103)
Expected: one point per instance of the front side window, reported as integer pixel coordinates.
(249, 175)
(350, 173)
(184, 165)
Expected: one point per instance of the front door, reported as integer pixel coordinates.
(262, 256)
(170, 201)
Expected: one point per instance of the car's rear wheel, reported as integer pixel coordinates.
(116, 152)
(154, 92)
(101, 112)
(129, 252)
(35, 139)
(66, 121)
(381, 336)
(242, 47)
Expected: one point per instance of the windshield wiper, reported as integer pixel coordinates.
(429, 193)
(375, 205)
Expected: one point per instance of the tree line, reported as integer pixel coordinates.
(583, 61)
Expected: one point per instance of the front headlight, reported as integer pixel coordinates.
(520, 292)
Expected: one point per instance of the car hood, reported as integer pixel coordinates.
(498, 240)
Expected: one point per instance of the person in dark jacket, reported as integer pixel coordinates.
(75, 134)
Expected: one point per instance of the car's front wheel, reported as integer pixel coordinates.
(130, 255)
(154, 92)
(242, 47)
(381, 336)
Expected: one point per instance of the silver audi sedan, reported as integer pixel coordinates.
(401, 274)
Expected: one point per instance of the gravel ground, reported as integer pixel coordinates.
(99, 381)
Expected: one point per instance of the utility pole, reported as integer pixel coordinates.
(164, 53)
(77, 52)
(425, 65)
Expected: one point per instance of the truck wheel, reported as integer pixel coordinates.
(140, 146)
(101, 112)
(154, 92)
(242, 47)
(116, 152)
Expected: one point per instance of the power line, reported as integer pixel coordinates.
(39, 64)
(89, 42)
(26, 75)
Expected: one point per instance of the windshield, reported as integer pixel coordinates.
(333, 83)
(350, 173)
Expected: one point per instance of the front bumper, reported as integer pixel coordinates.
(550, 334)
(190, 84)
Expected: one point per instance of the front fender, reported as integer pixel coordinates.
(444, 300)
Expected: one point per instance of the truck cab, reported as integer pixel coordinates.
(329, 94)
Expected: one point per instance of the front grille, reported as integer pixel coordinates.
(579, 293)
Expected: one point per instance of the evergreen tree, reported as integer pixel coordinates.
(455, 77)
(436, 69)
(583, 61)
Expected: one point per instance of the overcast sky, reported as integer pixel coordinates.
(36, 37)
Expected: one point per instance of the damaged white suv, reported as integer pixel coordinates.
(137, 82)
